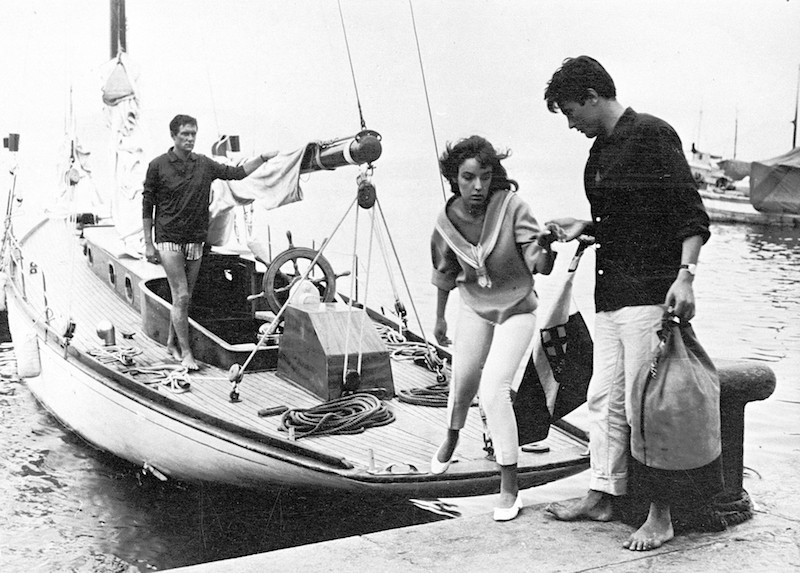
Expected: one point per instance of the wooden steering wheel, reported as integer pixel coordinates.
(288, 268)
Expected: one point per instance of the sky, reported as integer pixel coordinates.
(724, 73)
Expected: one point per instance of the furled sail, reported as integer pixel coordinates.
(123, 114)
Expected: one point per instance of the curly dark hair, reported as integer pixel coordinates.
(180, 120)
(475, 147)
(572, 81)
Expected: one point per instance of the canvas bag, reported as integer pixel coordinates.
(675, 419)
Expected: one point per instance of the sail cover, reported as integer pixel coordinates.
(775, 183)
(123, 117)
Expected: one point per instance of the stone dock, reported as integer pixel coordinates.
(769, 470)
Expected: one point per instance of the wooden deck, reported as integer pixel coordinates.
(61, 286)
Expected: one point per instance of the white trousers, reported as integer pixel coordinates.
(624, 342)
(485, 358)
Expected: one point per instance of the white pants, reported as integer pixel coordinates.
(485, 358)
(624, 342)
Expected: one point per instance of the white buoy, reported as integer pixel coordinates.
(3, 279)
(26, 349)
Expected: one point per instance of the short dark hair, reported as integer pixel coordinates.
(180, 120)
(475, 147)
(572, 81)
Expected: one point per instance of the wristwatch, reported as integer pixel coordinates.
(692, 268)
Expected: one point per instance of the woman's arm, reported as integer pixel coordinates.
(440, 329)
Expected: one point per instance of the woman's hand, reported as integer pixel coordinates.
(440, 332)
(567, 228)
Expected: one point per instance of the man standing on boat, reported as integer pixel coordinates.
(178, 186)
(649, 223)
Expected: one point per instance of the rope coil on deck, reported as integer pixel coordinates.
(419, 352)
(434, 395)
(346, 415)
(109, 354)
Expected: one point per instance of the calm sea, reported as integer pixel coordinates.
(66, 507)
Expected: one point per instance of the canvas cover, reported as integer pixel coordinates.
(775, 183)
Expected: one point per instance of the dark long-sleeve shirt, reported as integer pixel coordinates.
(180, 192)
(644, 203)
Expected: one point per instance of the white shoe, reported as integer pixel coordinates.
(508, 513)
(438, 467)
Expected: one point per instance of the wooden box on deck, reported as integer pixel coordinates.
(317, 337)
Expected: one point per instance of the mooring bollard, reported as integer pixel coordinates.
(740, 383)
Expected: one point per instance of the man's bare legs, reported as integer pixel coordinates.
(594, 506)
(182, 276)
(655, 531)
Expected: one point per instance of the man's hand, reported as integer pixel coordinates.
(680, 298)
(151, 254)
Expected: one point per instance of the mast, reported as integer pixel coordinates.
(794, 121)
(119, 42)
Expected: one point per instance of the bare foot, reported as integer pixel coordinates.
(654, 532)
(190, 363)
(594, 506)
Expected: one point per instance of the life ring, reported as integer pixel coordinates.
(288, 268)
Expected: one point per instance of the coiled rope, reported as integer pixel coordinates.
(421, 354)
(109, 354)
(346, 415)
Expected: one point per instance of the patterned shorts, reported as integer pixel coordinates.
(191, 251)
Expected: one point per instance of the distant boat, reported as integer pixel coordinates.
(763, 192)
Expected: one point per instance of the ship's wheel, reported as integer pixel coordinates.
(288, 268)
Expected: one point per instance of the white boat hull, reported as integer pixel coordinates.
(724, 208)
(158, 441)
(205, 434)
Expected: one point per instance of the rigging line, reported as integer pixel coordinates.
(352, 70)
(350, 304)
(366, 288)
(385, 256)
(402, 273)
(425, 88)
(210, 86)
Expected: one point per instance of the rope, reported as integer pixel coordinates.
(352, 70)
(176, 377)
(402, 274)
(425, 88)
(434, 396)
(346, 415)
(110, 354)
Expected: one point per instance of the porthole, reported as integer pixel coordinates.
(129, 289)
(89, 256)
(112, 275)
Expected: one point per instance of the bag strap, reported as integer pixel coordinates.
(668, 321)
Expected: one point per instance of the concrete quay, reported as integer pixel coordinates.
(765, 461)
(534, 543)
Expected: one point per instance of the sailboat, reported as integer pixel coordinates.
(301, 385)
(765, 192)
